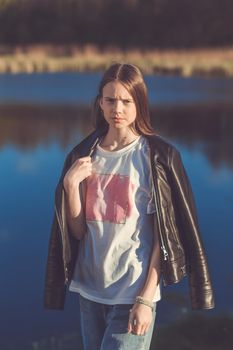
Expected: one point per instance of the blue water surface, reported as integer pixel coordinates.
(29, 174)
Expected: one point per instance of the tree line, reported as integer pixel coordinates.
(124, 23)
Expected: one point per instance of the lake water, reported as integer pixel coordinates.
(41, 118)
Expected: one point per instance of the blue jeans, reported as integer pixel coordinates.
(104, 327)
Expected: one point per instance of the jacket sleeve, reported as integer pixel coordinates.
(200, 285)
(55, 288)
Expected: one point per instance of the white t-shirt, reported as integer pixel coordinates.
(114, 254)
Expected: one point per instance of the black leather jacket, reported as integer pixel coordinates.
(181, 245)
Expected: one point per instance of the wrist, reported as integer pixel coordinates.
(71, 188)
(141, 300)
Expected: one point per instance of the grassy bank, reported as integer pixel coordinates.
(48, 58)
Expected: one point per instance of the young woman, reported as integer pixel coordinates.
(124, 217)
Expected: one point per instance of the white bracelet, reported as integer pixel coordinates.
(141, 300)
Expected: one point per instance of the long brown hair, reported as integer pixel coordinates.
(131, 77)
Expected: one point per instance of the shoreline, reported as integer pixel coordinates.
(217, 62)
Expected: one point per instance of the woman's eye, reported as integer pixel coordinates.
(112, 100)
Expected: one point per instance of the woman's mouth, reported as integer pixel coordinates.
(117, 119)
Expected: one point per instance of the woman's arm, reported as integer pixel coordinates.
(74, 183)
(142, 313)
(153, 276)
(74, 212)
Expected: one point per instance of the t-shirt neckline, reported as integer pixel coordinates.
(119, 152)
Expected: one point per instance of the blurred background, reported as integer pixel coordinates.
(52, 56)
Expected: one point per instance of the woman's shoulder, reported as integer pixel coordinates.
(161, 145)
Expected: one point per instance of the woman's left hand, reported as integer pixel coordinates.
(140, 319)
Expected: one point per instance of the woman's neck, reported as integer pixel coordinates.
(116, 140)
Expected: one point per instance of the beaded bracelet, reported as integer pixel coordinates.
(141, 300)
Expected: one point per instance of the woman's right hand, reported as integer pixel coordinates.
(80, 170)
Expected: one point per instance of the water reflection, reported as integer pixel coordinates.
(192, 332)
(208, 128)
(33, 144)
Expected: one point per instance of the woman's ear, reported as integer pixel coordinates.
(101, 102)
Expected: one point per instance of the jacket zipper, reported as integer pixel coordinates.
(58, 219)
(61, 229)
(93, 147)
(163, 247)
(62, 235)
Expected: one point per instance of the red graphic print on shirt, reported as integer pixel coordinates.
(108, 198)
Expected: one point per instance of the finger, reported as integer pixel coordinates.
(133, 323)
(129, 327)
(75, 165)
(143, 330)
(133, 326)
(130, 322)
(147, 329)
(88, 166)
(137, 328)
(83, 165)
(85, 159)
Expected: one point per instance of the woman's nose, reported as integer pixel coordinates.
(118, 106)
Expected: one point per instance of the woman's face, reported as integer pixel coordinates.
(118, 106)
